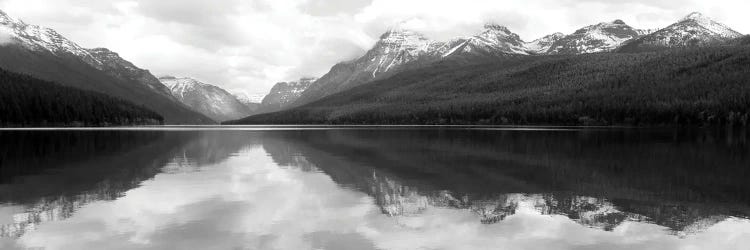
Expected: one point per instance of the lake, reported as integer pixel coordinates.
(374, 188)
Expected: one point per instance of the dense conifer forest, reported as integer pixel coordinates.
(695, 87)
(26, 101)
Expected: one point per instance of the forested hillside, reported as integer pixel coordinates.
(26, 101)
(697, 86)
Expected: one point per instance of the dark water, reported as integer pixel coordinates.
(398, 188)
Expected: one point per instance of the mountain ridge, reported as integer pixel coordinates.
(207, 99)
(601, 37)
(45, 54)
(284, 94)
(694, 30)
(686, 87)
(400, 49)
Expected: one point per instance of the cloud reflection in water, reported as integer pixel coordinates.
(280, 196)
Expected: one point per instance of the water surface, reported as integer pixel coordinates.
(374, 188)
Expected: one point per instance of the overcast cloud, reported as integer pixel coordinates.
(249, 45)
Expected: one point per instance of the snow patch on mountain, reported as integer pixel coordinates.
(252, 102)
(284, 94)
(709, 24)
(39, 38)
(542, 45)
(397, 47)
(210, 100)
(495, 40)
(694, 30)
(602, 37)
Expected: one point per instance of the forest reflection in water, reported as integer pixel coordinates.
(404, 188)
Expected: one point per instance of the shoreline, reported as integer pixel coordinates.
(359, 127)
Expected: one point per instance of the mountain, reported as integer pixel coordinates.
(285, 93)
(602, 37)
(494, 41)
(45, 54)
(110, 62)
(695, 30)
(26, 101)
(542, 45)
(210, 100)
(252, 102)
(400, 49)
(395, 50)
(744, 40)
(687, 87)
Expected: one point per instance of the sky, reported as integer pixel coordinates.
(249, 45)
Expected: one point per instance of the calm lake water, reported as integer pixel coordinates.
(374, 188)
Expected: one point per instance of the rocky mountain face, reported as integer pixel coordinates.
(252, 102)
(400, 49)
(285, 93)
(395, 49)
(695, 30)
(210, 100)
(602, 37)
(494, 41)
(45, 54)
(37, 38)
(113, 64)
(542, 45)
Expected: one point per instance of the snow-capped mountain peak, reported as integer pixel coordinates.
(494, 32)
(181, 85)
(39, 38)
(210, 100)
(403, 40)
(709, 24)
(608, 25)
(542, 45)
(400, 34)
(246, 98)
(601, 37)
(284, 94)
(494, 40)
(397, 47)
(6, 19)
(104, 56)
(694, 30)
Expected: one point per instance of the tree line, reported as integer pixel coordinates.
(27, 101)
(696, 87)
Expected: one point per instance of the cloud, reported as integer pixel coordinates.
(333, 7)
(250, 45)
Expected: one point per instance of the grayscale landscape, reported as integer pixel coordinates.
(374, 124)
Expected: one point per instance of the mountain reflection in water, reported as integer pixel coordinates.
(374, 188)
